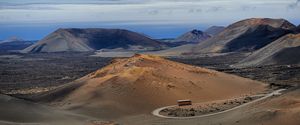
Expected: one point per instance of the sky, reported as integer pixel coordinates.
(34, 19)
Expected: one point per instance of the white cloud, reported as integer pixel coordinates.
(145, 11)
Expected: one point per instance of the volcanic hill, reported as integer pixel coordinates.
(140, 84)
(194, 36)
(91, 39)
(14, 44)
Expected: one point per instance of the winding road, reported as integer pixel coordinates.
(156, 111)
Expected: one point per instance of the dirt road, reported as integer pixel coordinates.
(274, 93)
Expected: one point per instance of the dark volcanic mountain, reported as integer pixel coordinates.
(14, 43)
(285, 50)
(194, 36)
(297, 29)
(246, 35)
(214, 30)
(11, 39)
(80, 40)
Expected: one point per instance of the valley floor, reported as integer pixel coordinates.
(24, 75)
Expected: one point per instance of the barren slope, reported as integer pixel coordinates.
(278, 111)
(285, 50)
(19, 112)
(142, 83)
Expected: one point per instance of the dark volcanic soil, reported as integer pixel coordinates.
(278, 75)
(215, 62)
(45, 69)
(35, 72)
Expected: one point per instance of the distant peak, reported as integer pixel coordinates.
(264, 19)
(197, 32)
(12, 39)
(69, 29)
(213, 27)
(282, 23)
(61, 30)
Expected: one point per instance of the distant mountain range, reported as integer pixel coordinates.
(243, 36)
(11, 39)
(270, 40)
(14, 44)
(83, 40)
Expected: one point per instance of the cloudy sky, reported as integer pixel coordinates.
(33, 19)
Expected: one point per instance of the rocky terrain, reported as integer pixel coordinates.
(286, 75)
(36, 72)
